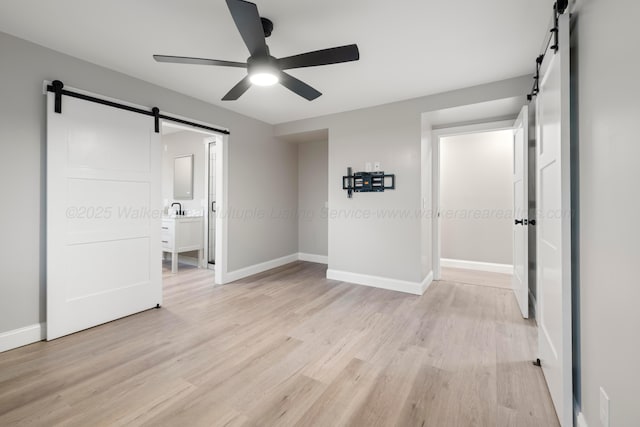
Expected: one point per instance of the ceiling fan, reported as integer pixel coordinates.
(262, 68)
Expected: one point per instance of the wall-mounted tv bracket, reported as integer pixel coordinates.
(367, 182)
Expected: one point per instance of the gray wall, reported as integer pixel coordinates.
(180, 144)
(262, 170)
(476, 174)
(313, 225)
(376, 233)
(607, 69)
(389, 234)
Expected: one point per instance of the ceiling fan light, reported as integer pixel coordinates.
(264, 78)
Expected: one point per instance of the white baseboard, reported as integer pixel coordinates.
(426, 282)
(416, 288)
(232, 276)
(476, 265)
(22, 336)
(320, 259)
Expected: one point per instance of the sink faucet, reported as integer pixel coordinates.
(180, 211)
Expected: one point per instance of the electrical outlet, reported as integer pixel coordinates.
(367, 167)
(604, 408)
(377, 167)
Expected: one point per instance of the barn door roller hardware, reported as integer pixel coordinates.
(536, 78)
(367, 182)
(559, 8)
(57, 87)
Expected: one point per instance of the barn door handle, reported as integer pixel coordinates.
(213, 206)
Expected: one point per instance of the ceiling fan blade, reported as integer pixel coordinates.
(298, 87)
(197, 61)
(334, 55)
(237, 91)
(245, 15)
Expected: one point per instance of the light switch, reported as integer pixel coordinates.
(367, 167)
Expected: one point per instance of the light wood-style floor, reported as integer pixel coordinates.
(288, 347)
(474, 277)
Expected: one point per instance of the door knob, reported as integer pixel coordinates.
(519, 221)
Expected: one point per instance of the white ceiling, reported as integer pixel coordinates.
(408, 48)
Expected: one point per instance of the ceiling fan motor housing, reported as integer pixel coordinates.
(266, 64)
(267, 26)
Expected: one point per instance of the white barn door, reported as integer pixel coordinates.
(103, 215)
(520, 278)
(554, 225)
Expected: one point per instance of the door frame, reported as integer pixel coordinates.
(207, 150)
(221, 242)
(437, 135)
(222, 162)
(523, 121)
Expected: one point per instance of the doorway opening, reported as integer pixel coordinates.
(192, 176)
(473, 199)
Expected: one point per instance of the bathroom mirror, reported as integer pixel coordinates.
(183, 177)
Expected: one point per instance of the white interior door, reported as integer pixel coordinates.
(103, 215)
(554, 225)
(520, 280)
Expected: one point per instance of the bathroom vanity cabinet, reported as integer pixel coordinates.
(182, 234)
